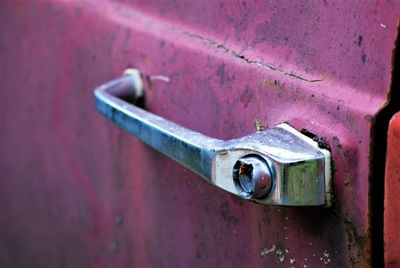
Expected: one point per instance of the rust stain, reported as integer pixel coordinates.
(271, 82)
(259, 125)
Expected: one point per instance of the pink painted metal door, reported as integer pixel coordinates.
(76, 191)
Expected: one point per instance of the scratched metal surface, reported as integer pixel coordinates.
(75, 191)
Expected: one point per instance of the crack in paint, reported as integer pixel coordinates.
(239, 56)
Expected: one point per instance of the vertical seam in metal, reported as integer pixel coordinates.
(377, 160)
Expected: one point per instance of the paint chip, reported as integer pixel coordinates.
(159, 77)
(280, 255)
(266, 251)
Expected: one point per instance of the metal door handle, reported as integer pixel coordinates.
(277, 166)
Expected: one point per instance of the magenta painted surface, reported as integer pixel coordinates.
(75, 191)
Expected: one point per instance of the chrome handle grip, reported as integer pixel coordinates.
(277, 166)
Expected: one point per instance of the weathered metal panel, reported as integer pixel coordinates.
(77, 192)
(392, 189)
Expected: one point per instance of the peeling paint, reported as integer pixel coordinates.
(325, 259)
(259, 125)
(266, 251)
(159, 77)
(280, 255)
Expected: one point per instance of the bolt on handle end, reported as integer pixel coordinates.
(252, 177)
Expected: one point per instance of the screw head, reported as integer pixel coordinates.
(252, 177)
